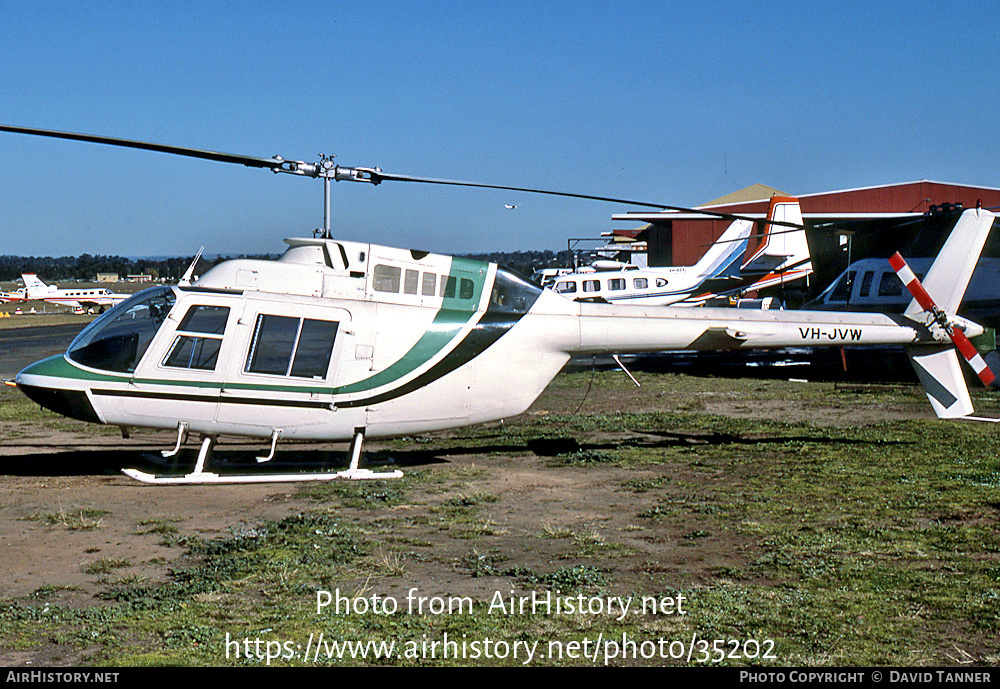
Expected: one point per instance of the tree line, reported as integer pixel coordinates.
(87, 266)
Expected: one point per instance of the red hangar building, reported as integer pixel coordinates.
(841, 226)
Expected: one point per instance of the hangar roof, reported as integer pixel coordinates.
(755, 192)
(691, 232)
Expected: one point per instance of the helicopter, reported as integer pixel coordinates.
(344, 340)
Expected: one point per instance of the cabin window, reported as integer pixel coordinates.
(288, 346)
(202, 318)
(661, 282)
(448, 287)
(566, 287)
(428, 287)
(591, 285)
(890, 285)
(844, 287)
(639, 283)
(200, 351)
(315, 345)
(616, 284)
(410, 281)
(866, 283)
(117, 340)
(386, 278)
(466, 288)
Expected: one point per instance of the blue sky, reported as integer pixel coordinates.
(672, 102)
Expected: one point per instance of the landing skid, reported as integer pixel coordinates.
(207, 478)
(201, 477)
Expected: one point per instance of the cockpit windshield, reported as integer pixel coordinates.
(117, 340)
(512, 294)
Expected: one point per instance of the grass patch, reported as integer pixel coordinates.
(106, 565)
(73, 519)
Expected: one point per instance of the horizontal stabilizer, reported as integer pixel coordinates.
(940, 372)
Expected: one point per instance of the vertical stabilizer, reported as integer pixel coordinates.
(34, 287)
(784, 248)
(949, 275)
(724, 256)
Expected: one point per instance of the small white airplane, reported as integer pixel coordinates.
(98, 298)
(16, 295)
(339, 341)
(723, 270)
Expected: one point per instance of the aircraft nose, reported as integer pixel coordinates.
(44, 382)
(71, 403)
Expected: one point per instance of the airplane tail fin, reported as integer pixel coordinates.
(724, 256)
(939, 295)
(783, 248)
(32, 285)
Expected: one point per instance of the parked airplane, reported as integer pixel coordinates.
(723, 270)
(16, 295)
(98, 298)
(630, 284)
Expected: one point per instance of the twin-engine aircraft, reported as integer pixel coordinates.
(339, 341)
(781, 257)
(98, 298)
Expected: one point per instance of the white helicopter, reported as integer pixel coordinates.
(339, 341)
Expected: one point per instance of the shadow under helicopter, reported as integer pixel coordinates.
(568, 450)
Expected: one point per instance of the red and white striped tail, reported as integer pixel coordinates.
(962, 343)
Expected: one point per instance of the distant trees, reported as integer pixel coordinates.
(86, 267)
(525, 262)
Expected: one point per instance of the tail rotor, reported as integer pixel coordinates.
(957, 335)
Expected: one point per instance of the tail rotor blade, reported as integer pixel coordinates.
(975, 359)
(909, 279)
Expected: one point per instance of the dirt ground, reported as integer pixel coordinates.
(70, 477)
(66, 474)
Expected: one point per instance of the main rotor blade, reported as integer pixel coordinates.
(360, 174)
(250, 161)
(380, 176)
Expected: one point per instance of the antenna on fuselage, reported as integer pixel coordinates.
(185, 280)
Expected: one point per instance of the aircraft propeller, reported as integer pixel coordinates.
(962, 343)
